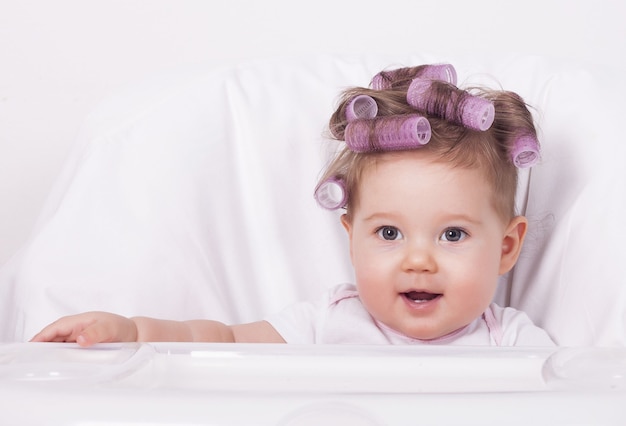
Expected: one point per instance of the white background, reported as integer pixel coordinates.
(58, 59)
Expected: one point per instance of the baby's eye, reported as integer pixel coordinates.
(389, 233)
(453, 235)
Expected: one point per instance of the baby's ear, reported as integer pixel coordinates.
(512, 243)
(347, 223)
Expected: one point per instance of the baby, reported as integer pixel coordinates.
(427, 177)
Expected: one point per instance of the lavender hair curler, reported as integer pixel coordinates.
(525, 151)
(361, 106)
(379, 82)
(384, 80)
(331, 194)
(443, 72)
(475, 113)
(388, 133)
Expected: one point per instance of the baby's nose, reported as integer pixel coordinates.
(419, 257)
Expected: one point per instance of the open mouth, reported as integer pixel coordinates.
(421, 296)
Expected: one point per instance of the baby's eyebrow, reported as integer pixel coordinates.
(463, 217)
(447, 220)
(379, 216)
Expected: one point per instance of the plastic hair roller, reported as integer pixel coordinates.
(444, 72)
(391, 133)
(379, 82)
(331, 194)
(525, 151)
(361, 106)
(475, 113)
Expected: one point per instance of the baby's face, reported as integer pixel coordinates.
(427, 244)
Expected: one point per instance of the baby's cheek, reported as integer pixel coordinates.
(366, 268)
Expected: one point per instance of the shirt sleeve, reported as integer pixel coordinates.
(297, 323)
(519, 330)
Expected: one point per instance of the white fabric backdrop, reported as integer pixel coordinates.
(59, 59)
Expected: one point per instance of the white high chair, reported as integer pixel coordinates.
(190, 196)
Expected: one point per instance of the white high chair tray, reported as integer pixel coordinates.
(235, 384)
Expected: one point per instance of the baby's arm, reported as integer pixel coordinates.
(101, 327)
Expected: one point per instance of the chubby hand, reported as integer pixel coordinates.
(89, 328)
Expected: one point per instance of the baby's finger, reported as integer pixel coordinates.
(59, 331)
(93, 334)
(100, 331)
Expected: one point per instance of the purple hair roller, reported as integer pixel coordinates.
(384, 80)
(525, 151)
(331, 194)
(443, 72)
(379, 82)
(361, 106)
(388, 133)
(476, 113)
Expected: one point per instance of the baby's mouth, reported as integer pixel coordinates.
(421, 296)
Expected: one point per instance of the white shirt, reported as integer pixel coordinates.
(340, 317)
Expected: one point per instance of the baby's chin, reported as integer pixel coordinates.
(432, 334)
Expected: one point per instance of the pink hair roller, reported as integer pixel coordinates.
(444, 72)
(388, 133)
(476, 113)
(525, 151)
(361, 106)
(331, 194)
(380, 83)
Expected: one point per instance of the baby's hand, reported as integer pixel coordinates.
(89, 328)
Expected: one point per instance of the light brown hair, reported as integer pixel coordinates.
(450, 142)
